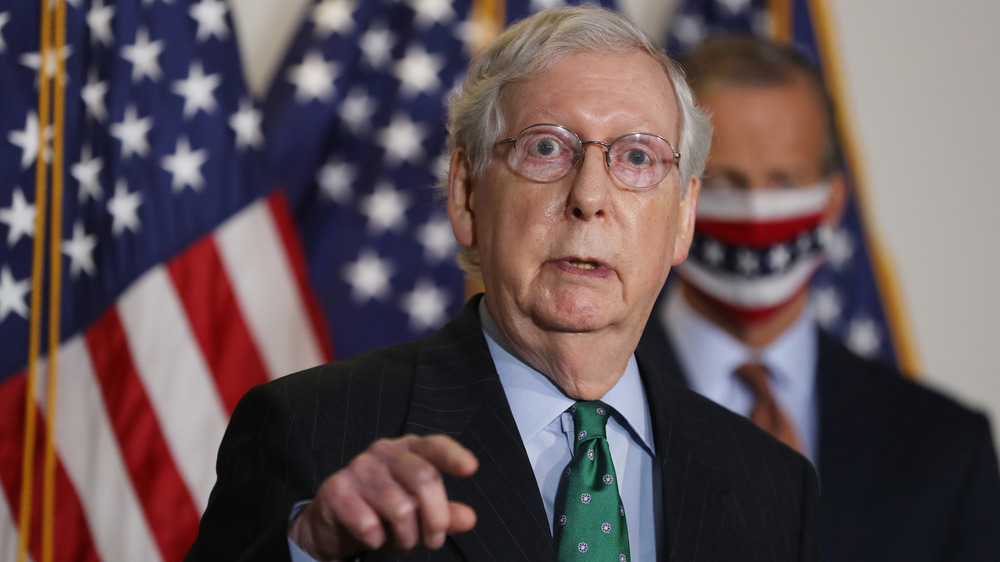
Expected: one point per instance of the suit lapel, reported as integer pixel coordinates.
(458, 392)
(694, 487)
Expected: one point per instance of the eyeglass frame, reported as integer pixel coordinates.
(578, 157)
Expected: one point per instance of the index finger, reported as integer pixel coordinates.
(446, 454)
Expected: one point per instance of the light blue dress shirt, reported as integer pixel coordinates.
(709, 357)
(547, 431)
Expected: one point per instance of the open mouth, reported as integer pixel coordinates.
(580, 264)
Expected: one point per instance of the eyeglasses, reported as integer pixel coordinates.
(547, 152)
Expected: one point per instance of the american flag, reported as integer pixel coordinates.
(355, 119)
(183, 283)
(853, 294)
(183, 272)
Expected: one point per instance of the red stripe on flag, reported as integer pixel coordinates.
(216, 321)
(73, 535)
(756, 234)
(165, 499)
(278, 205)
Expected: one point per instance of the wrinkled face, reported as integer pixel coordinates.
(583, 253)
(764, 137)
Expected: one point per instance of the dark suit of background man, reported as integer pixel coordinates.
(906, 473)
(453, 447)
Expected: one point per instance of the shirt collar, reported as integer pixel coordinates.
(535, 401)
(709, 355)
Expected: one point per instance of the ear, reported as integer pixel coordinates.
(687, 211)
(838, 200)
(463, 220)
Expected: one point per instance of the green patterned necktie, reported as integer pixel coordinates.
(590, 517)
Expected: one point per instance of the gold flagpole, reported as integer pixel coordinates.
(487, 21)
(780, 12)
(37, 272)
(488, 18)
(55, 285)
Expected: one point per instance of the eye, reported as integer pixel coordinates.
(545, 147)
(637, 158)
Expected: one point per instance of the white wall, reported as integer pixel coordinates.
(924, 79)
(923, 83)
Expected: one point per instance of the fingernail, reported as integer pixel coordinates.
(436, 541)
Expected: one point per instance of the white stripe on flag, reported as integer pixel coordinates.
(89, 452)
(8, 531)
(176, 377)
(264, 284)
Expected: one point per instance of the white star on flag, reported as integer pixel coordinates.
(418, 72)
(332, 16)
(313, 78)
(357, 110)
(87, 173)
(376, 46)
(12, 294)
(99, 22)
(144, 56)
(385, 208)
(368, 277)
(132, 133)
(211, 18)
(429, 12)
(863, 337)
(246, 124)
(735, 6)
(4, 18)
(93, 96)
(840, 248)
(185, 166)
(402, 140)
(50, 64)
(80, 251)
(689, 29)
(27, 140)
(426, 305)
(437, 239)
(19, 218)
(335, 179)
(123, 207)
(826, 306)
(197, 90)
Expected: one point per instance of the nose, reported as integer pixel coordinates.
(588, 195)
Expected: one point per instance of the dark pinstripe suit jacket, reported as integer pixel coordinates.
(730, 492)
(907, 474)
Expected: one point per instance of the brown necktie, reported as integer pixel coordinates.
(766, 413)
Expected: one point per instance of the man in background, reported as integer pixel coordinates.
(906, 473)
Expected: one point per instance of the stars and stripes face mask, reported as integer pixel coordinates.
(755, 249)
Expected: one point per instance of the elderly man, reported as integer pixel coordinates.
(906, 473)
(526, 429)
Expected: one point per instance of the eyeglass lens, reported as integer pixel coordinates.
(548, 152)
